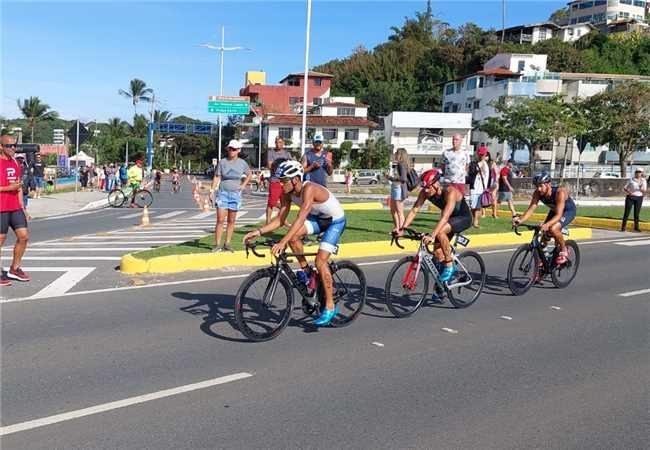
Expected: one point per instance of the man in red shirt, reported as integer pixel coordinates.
(12, 210)
(505, 186)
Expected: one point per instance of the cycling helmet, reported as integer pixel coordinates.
(289, 169)
(541, 178)
(429, 177)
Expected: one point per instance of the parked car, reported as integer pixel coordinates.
(367, 177)
(338, 176)
(606, 175)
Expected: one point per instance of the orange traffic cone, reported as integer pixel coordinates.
(145, 217)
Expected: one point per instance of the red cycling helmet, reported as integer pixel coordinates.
(429, 177)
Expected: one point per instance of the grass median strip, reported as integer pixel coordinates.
(362, 226)
(601, 212)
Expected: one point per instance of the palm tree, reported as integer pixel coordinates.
(116, 127)
(139, 128)
(138, 92)
(161, 116)
(35, 111)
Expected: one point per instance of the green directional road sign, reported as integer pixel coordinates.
(229, 107)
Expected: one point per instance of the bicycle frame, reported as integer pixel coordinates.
(536, 246)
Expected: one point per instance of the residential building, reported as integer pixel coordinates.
(255, 77)
(287, 97)
(58, 136)
(602, 12)
(534, 33)
(524, 75)
(425, 135)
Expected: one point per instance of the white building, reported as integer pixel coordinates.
(58, 136)
(425, 135)
(534, 33)
(523, 75)
(602, 12)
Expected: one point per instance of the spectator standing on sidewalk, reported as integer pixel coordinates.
(455, 163)
(398, 191)
(110, 179)
(635, 188)
(13, 213)
(317, 162)
(494, 183)
(349, 178)
(38, 170)
(479, 183)
(230, 178)
(505, 186)
(275, 188)
(124, 177)
(83, 177)
(101, 177)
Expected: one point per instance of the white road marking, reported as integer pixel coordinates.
(62, 284)
(160, 233)
(131, 216)
(633, 293)
(449, 330)
(609, 241)
(204, 215)
(505, 317)
(97, 409)
(70, 258)
(556, 308)
(111, 238)
(170, 214)
(634, 243)
(111, 249)
(111, 242)
(378, 344)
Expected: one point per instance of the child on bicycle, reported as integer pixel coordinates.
(455, 217)
(135, 179)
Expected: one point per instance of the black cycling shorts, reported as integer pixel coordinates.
(14, 219)
(459, 224)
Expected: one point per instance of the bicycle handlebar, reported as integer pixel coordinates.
(515, 228)
(410, 234)
(250, 246)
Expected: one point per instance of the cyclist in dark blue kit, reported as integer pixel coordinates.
(562, 211)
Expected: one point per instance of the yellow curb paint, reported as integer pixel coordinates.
(589, 222)
(212, 261)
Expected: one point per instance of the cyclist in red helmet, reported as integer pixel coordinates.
(455, 217)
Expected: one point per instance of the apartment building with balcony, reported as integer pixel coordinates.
(538, 32)
(514, 76)
(425, 135)
(602, 12)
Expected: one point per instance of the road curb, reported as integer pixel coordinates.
(590, 222)
(210, 261)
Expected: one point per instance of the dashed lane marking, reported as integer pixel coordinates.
(635, 293)
(634, 243)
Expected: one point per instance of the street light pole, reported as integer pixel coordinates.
(305, 81)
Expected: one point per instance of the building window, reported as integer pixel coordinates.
(352, 134)
(542, 34)
(624, 15)
(459, 87)
(612, 2)
(345, 111)
(449, 89)
(521, 65)
(574, 6)
(318, 82)
(330, 134)
(626, 2)
(611, 16)
(293, 81)
(574, 21)
(640, 3)
(471, 84)
(584, 19)
(481, 80)
(294, 100)
(285, 133)
(600, 2)
(598, 18)
(454, 107)
(477, 104)
(310, 133)
(587, 5)
(396, 133)
(318, 101)
(447, 107)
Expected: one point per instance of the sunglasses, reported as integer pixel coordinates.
(11, 146)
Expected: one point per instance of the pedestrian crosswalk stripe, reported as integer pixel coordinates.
(170, 214)
(130, 216)
(113, 242)
(109, 249)
(160, 232)
(203, 215)
(634, 243)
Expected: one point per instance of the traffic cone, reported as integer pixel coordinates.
(145, 217)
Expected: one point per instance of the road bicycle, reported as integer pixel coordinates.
(117, 197)
(264, 302)
(534, 261)
(156, 186)
(176, 186)
(407, 285)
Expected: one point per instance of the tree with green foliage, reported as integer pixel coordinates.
(161, 116)
(117, 128)
(375, 154)
(137, 92)
(34, 112)
(343, 153)
(139, 127)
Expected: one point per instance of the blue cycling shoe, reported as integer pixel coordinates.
(447, 273)
(326, 316)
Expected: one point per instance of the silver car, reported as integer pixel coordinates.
(366, 177)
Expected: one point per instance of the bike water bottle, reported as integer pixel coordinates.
(303, 275)
(313, 281)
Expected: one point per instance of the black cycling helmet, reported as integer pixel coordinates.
(541, 178)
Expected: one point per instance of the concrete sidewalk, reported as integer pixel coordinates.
(65, 203)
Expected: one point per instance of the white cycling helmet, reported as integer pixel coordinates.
(289, 169)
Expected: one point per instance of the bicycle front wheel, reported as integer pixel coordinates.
(522, 269)
(406, 287)
(116, 198)
(143, 198)
(349, 290)
(564, 274)
(467, 285)
(263, 305)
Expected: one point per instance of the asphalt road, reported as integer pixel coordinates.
(569, 370)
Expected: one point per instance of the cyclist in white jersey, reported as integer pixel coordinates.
(320, 212)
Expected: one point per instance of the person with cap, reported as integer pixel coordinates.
(455, 217)
(135, 179)
(230, 178)
(479, 183)
(317, 163)
(635, 188)
(505, 186)
(13, 212)
(275, 188)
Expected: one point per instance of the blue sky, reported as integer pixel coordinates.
(76, 55)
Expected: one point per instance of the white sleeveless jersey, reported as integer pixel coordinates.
(329, 208)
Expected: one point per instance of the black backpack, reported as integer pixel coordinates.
(472, 172)
(412, 180)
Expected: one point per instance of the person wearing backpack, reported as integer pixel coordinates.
(398, 185)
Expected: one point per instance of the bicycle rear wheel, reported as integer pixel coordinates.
(467, 285)
(116, 198)
(406, 287)
(262, 306)
(143, 198)
(522, 269)
(349, 289)
(563, 275)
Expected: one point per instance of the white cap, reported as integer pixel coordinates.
(234, 143)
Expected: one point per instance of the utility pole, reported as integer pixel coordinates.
(76, 165)
(305, 82)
